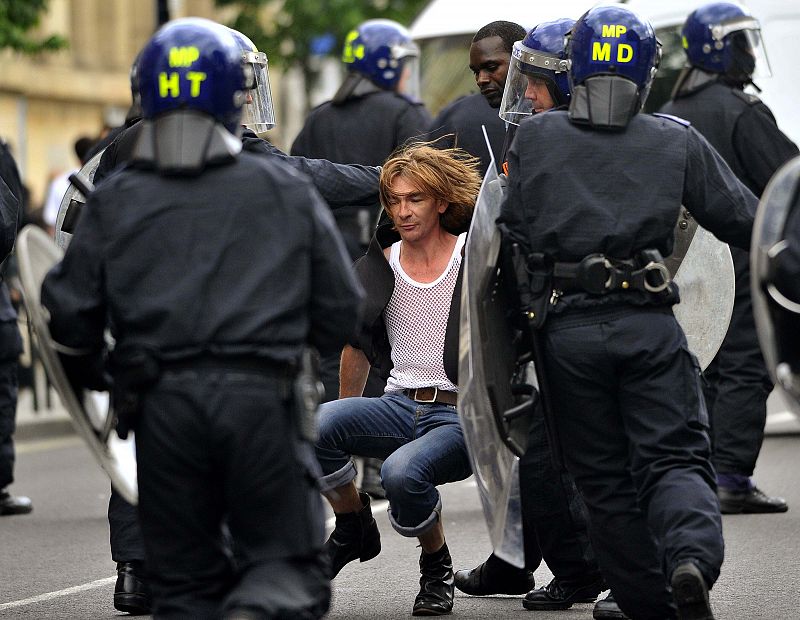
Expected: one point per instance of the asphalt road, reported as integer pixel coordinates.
(55, 563)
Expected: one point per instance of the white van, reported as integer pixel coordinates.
(445, 29)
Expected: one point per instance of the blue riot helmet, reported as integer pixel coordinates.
(258, 113)
(775, 285)
(541, 55)
(725, 38)
(379, 54)
(192, 85)
(614, 56)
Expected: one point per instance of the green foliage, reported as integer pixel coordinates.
(17, 18)
(286, 37)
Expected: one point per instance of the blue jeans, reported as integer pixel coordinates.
(422, 446)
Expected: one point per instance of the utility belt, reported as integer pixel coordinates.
(540, 281)
(136, 369)
(598, 274)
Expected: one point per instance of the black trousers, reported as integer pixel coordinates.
(738, 385)
(10, 348)
(125, 534)
(633, 428)
(214, 446)
(554, 516)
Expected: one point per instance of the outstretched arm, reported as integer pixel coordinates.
(353, 372)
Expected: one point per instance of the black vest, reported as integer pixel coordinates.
(713, 110)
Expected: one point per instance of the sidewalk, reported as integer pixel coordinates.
(44, 422)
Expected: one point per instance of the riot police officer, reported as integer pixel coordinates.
(340, 185)
(593, 196)
(11, 209)
(205, 262)
(554, 517)
(723, 48)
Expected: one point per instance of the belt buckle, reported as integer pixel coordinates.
(432, 400)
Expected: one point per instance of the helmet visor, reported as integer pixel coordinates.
(258, 113)
(408, 84)
(747, 45)
(526, 65)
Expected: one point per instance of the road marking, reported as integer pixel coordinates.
(51, 595)
(43, 445)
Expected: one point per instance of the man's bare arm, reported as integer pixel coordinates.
(353, 372)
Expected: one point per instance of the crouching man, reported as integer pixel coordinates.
(410, 332)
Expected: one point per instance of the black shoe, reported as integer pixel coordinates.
(11, 505)
(690, 591)
(132, 593)
(355, 536)
(371, 480)
(436, 589)
(752, 501)
(562, 594)
(607, 609)
(494, 576)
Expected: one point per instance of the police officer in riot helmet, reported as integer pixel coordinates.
(375, 110)
(537, 76)
(775, 265)
(211, 296)
(594, 192)
(339, 185)
(725, 53)
(554, 520)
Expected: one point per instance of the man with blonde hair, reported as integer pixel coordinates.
(410, 332)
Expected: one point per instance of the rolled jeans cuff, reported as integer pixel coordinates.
(338, 478)
(422, 528)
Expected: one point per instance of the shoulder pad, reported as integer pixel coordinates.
(674, 119)
(746, 97)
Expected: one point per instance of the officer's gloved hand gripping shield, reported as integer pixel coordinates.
(774, 263)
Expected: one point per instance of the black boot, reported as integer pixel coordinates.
(436, 590)
(494, 576)
(607, 609)
(132, 593)
(14, 505)
(690, 591)
(563, 593)
(356, 535)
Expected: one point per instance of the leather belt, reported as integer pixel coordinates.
(432, 395)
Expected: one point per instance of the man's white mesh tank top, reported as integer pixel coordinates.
(416, 322)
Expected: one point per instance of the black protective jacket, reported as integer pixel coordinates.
(739, 126)
(377, 278)
(464, 118)
(11, 209)
(340, 185)
(242, 260)
(617, 193)
(361, 130)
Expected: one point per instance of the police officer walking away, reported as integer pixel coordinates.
(722, 45)
(593, 196)
(376, 109)
(11, 209)
(213, 269)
